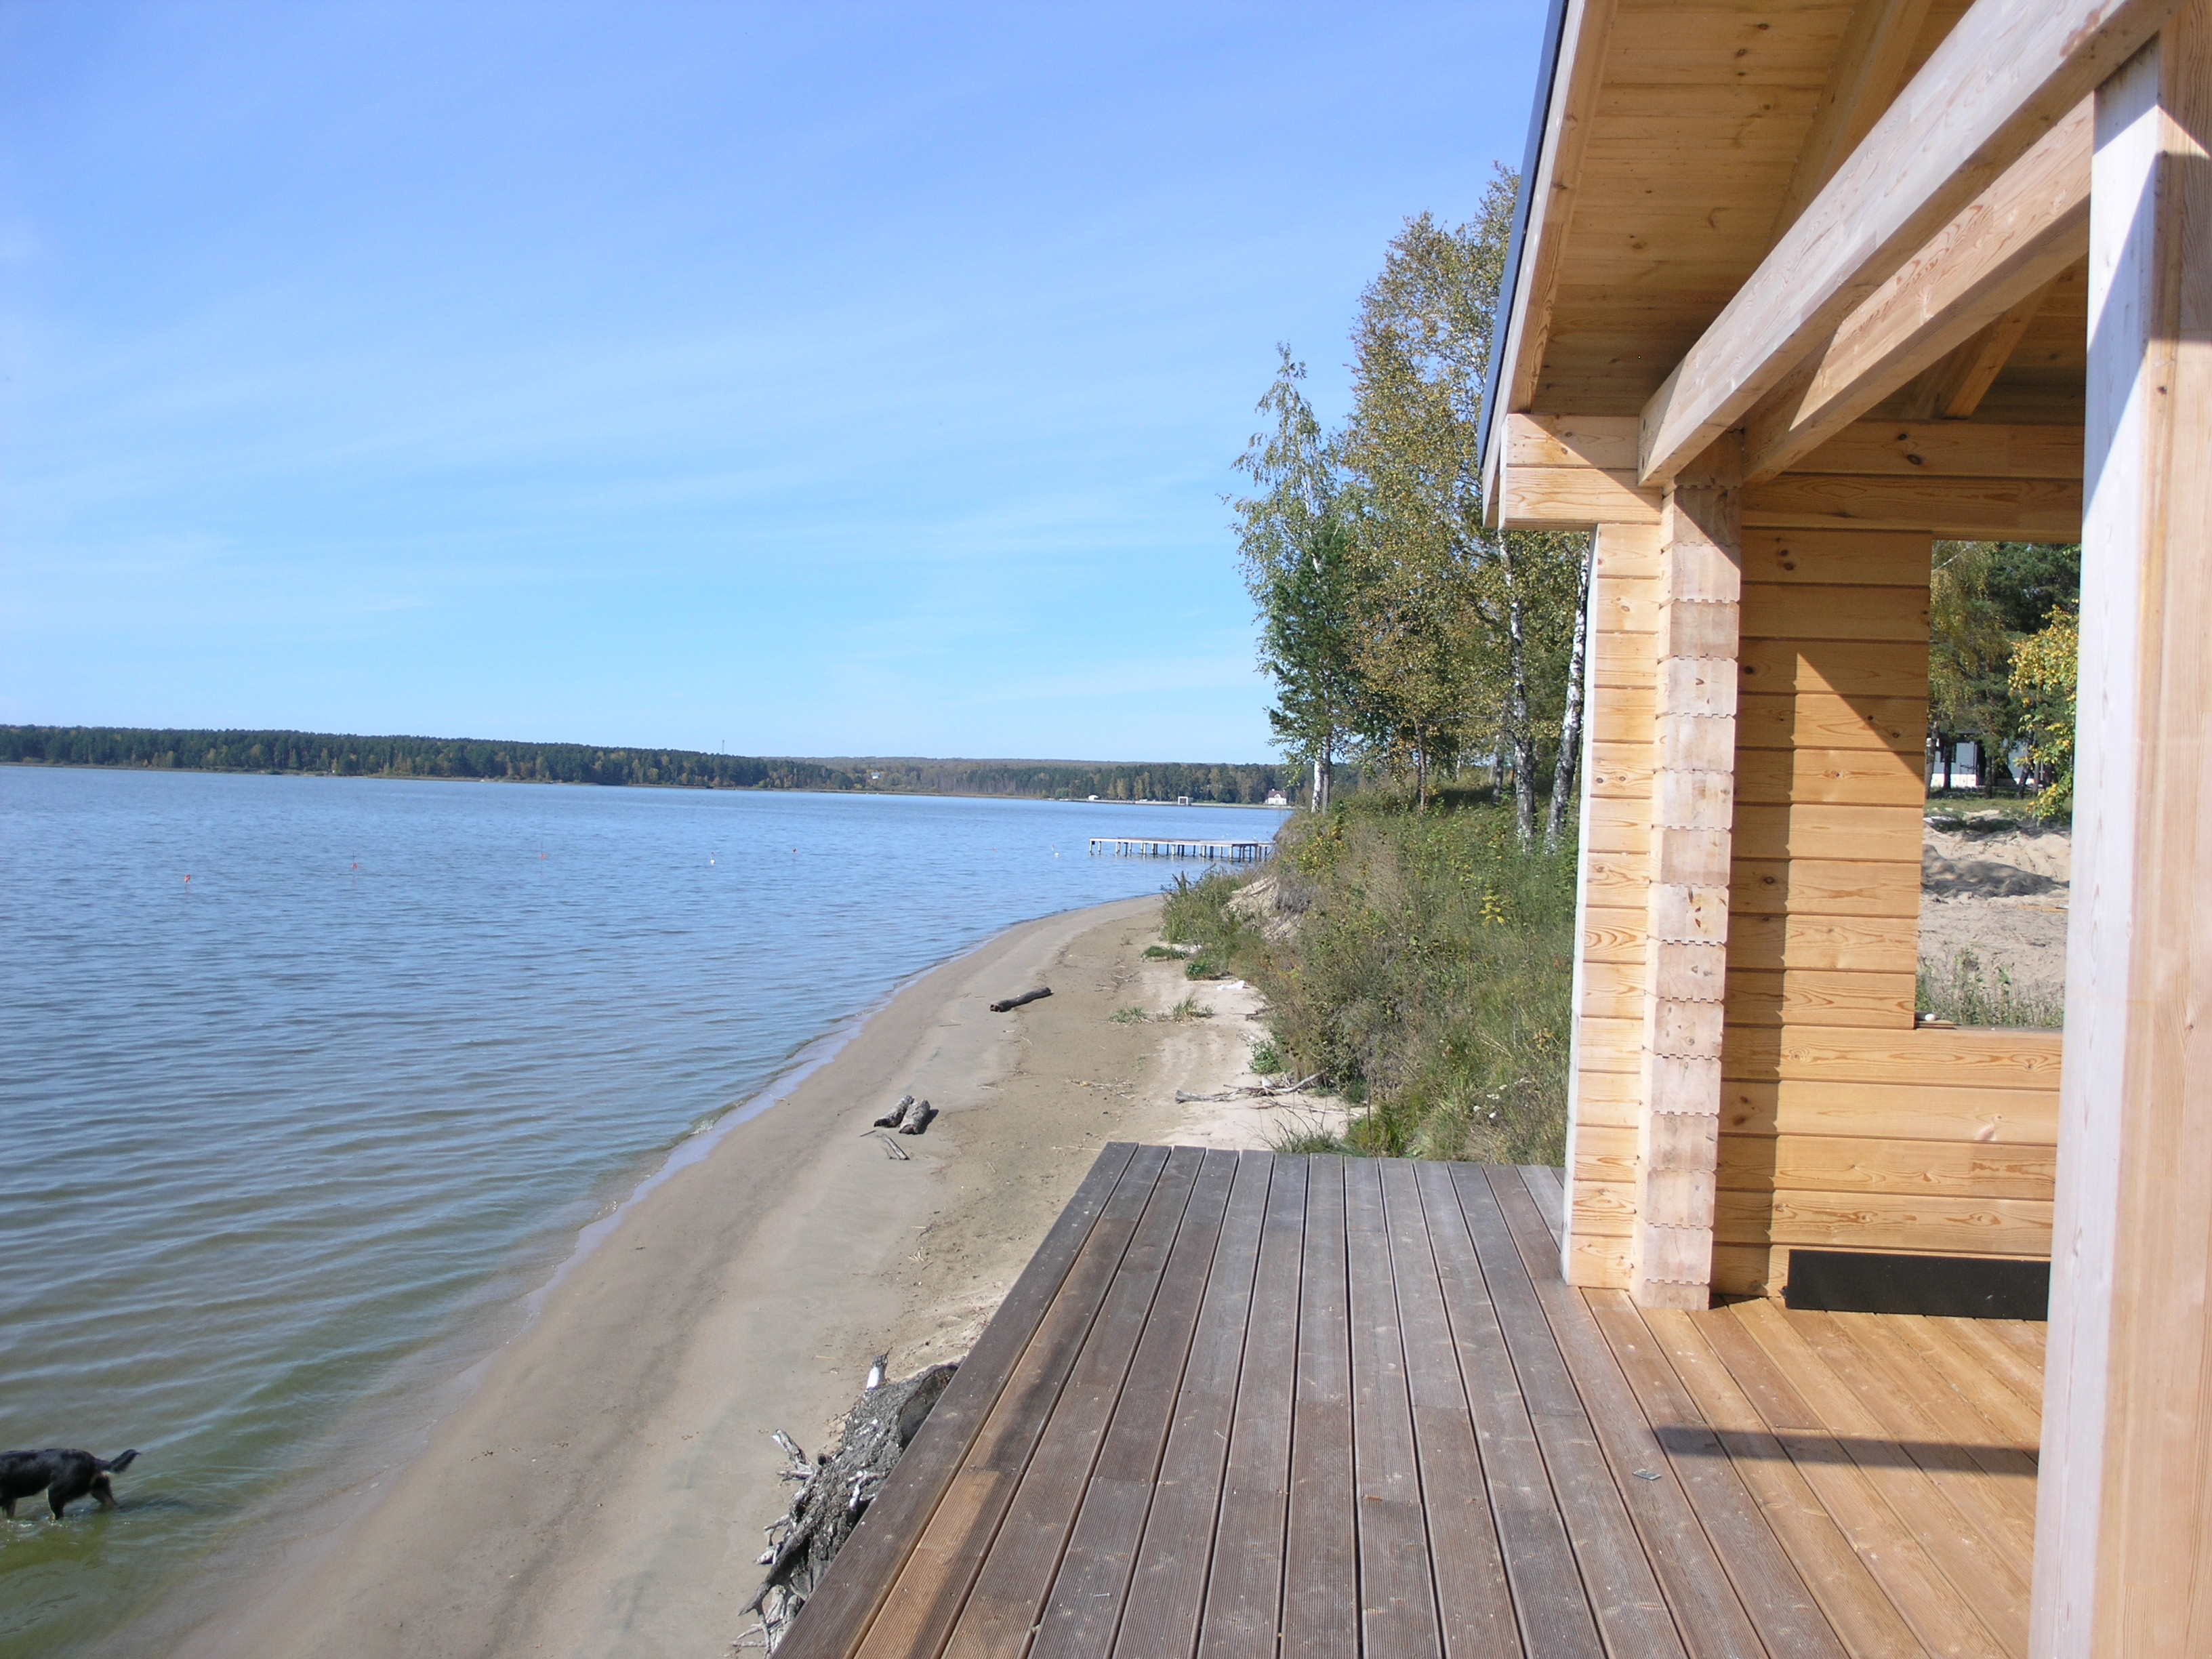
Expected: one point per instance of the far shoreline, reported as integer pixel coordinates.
(676, 789)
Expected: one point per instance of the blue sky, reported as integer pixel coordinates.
(819, 379)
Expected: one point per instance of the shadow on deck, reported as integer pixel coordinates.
(1251, 1404)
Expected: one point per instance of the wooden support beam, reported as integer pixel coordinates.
(1954, 388)
(1869, 67)
(2124, 1528)
(1685, 960)
(2003, 77)
(1949, 449)
(1971, 509)
(1971, 479)
(2005, 246)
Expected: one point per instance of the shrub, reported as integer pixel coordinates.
(1430, 979)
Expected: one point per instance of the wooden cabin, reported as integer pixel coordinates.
(1797, 287)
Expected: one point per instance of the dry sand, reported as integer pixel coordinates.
(602, 1488)
(1998, 889)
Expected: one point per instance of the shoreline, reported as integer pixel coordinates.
(601, 1481)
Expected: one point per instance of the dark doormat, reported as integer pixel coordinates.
(1948, 1286)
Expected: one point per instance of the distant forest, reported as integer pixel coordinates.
(340, 756)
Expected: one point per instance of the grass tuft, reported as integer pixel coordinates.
(1131, 1015)
(1958, 990)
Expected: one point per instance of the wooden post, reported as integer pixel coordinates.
(1692, 809)
(2123, 1534)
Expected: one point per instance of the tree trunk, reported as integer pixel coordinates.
(1517, 706)
(1563, 774)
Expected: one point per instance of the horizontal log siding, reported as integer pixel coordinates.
(1842, 1127)
(1616, 877)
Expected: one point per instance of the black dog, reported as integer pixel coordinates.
(64, 1476)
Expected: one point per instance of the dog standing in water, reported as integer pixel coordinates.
(64, 1476)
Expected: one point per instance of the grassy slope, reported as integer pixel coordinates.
(1428, 978)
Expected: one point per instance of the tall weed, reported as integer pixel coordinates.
(1428, 980)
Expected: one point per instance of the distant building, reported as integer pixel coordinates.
(1276, 797)
(1182, 800)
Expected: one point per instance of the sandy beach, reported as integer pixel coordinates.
(602, 1486)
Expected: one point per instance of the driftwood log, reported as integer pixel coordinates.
(1012, 1003)
(1266, 1093)
(891, 1120)
(834, 1491)
(917, 1120)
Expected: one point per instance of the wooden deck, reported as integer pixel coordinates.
(1250, 1404)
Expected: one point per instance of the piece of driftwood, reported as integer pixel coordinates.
(918, 1120)
(834, 1491)
(1016, 1002)
(891, 1148)
(1249, 1091)
(891, 1120)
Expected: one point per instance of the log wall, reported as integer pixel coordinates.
(1842, 1126)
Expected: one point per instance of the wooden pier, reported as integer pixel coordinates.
(1154, 846)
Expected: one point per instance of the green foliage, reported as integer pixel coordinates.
(1266, 1058)
(1958, 991)
(2045, 672)
(1188, 1008)
(342, 756)
(1390, 614)
(1985, 601)
(1164, 953)
(1197, 914)
(1428, 979)
(1130, 1015)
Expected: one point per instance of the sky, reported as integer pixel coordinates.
(793, 380)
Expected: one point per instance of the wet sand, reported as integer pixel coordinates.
(602, 1487)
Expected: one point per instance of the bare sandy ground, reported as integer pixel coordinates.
(602, 1489)
(1999, 889)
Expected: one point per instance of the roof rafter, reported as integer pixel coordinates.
(2004, 248)
(2009, 72)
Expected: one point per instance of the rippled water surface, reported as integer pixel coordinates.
(283, 1146)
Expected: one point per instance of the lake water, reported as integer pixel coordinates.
(284, 1146)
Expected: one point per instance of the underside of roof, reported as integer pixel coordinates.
(1680, 142)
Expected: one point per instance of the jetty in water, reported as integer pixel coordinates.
(1156, 847)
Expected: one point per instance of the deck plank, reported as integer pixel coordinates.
(1984, 1576)
(1624, 1593)
(1321, 1557)
(1922, 1434)
(2008, 1415)
(845, 1602)
(1083, 1603)
(1549, 1187)
(1999, 1359)
(1549, 1601)
(1785, 1612)
(1859, 1606)
(1244, 1595)
(926, 1597)
(2014, 1468)
(1916, 1584)
(1001, 1608)
(1397, 1595)
(1167, 1587)
(1474, 1603)
(1699, 1593)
